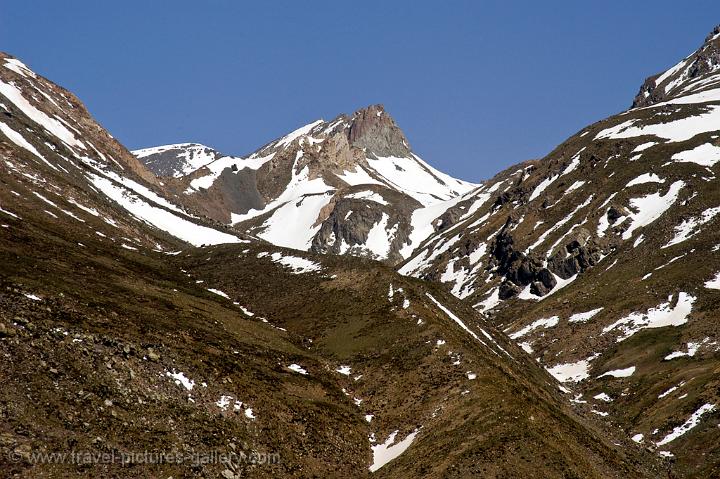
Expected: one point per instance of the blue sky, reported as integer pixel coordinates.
(475, 85)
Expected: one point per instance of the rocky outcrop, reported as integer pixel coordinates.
(373, 129)
(648, 94)
(703, 61)
(346, 224)
(518, 268)
(577, 255)
(516, 194)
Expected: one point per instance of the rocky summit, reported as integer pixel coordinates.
(351, 186)
(330, 305)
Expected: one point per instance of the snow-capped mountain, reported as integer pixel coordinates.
(601, 260)
(120, 336)
(347, 186)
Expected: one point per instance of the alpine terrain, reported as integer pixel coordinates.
(602, 262)
(330, 305)
(348, 186)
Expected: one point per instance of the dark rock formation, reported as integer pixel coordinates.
(519, 269)
(576, 256)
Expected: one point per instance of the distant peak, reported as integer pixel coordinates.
(178, 159)
(161, 148)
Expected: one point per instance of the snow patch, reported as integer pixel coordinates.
(540, 323)
(704, 155)
(690, 227)
(658, 317)
(645, 178)
(52, 125)
(584, 317)
(379, 238)
(181, 380)
(218, 292)
(619, 373)
(160, 218)
(713, 283)
(296, 264)
(692, 422)
(389, 450)
(368, 196)
(344, 370)
(674, 131)
(572, 372)
(692, 349)
(649, 208)
(298, 369)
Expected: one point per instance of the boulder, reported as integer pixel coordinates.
(508, 290)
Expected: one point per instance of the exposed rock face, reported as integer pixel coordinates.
(344, 227)
(234, 190)
(349, 224)
(275, 175)
(616, 212)
(544, 284)
(574, 259)
(336, 153)
(517, 195)
(373, 129)
(648, 94)
(519, 269)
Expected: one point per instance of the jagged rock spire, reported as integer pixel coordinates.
(374, 129)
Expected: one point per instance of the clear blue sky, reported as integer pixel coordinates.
(475, 85)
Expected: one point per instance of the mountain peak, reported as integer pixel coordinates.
(689, 76)
(372, 128)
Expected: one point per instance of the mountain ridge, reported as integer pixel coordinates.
(666, 85)
(330, 175)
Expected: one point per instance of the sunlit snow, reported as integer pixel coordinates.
(658, 317)
(389, 450)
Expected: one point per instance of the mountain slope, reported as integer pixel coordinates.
(348, 186)
(120, 337)
(65, 161)
(693, 79)
(601, 260)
